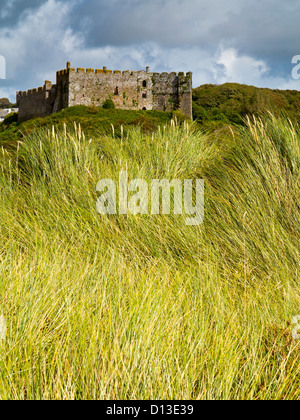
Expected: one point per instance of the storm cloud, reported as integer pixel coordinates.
(249, 42)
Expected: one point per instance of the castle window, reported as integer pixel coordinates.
(145, 83)
(144, 95)
(117, 91)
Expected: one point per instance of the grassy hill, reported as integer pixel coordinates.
(231, 102)
(213, 106)
(92, 120)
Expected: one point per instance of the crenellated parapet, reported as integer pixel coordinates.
(106, 71)
(48, 86)
(36, 102)
(31, 92)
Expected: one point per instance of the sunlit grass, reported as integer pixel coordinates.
(145, 307)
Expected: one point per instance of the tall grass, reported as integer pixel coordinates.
(145, 307)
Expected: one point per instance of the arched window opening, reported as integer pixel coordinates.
(144, 83)
(144, 109)
(117, 91)
(144, 95)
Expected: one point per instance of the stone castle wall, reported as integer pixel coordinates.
(36, 102)
(131, 90)
(172, 91)
(128, 90)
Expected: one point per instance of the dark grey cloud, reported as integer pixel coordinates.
(169, 22)
(11, 11)
(234, 40)
(257, 26)
(265, 29)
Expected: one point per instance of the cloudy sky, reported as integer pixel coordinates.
(244, 41)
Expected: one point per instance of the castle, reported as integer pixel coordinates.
(134, 90)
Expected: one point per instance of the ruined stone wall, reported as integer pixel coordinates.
(185, 92)
(165, 91)
(128, 90)
(62, 90)
(36, 102)
(131, 90)
(172, 91)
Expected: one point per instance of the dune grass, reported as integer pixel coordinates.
(145, 307)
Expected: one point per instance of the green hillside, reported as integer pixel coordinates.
(92, 120)
(231, 102)
(213, 106)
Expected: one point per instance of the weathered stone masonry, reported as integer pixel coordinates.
(134, 90)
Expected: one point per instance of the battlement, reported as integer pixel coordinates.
(104, 70)
(128, 89)
(173, 74)
(31, 92)
(62, 72)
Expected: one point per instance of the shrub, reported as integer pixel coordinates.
(180, 117)
(11, 118)
(92, 110)
(108, 104)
